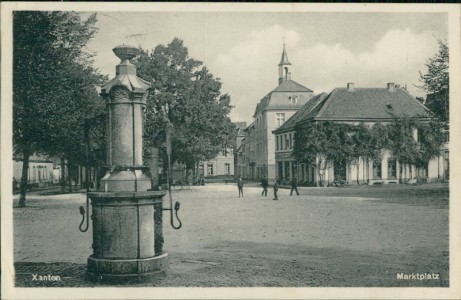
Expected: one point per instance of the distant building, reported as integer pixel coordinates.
(258, 146)
(221, 165)
(225, 163)
(42, 171)
(354, 105)
(239, 161)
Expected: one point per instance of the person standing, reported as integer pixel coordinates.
(294, 186)
(240, 186)
(276, 188)
(264, 184)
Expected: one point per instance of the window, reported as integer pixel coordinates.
(287, 142)
(280, 119)
(391, 167)
(276, 142)
(421, 171)
(287, 169)
(293, 100)
(227, 168)
(280, 170)
(376, 169)
(210, 169)
(34, 178)
(291, 141)
(339, 170)
(415, 133)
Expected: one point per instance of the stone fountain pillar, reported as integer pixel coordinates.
(125, 238)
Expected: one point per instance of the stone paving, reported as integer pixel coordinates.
(326, 237)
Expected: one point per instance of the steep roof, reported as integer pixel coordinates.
(273, 99)
(284, 59)
(361, 104)
(302, 113)
(290, 86)
(370, 104)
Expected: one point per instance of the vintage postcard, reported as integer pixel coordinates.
(230, 151)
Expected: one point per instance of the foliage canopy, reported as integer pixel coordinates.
(188, 95)
(54, 85)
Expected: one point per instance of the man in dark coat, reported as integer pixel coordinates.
(294, 186)
(276, 188)
(264, 184)
(240, 186)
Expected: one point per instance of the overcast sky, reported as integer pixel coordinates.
(243, 49)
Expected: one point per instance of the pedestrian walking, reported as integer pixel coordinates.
(240, 186)
(294, 187)
(264, 184)
(276, 188)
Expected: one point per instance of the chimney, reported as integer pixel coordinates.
(391, 87)
(350, 86)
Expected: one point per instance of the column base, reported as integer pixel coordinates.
(127, 270)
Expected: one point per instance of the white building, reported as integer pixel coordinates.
(354, 105)
(271, 112)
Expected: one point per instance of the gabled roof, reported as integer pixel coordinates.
(302, 113)
(370, 104)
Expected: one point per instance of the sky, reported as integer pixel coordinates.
(243, 49)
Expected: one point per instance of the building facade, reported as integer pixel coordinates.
(42, 171)
(353, 106)
(258, 146)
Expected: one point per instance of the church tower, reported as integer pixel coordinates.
(284, 69)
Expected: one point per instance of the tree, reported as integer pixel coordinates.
(317, 143)
(189, 96)
(436, 83)
(363, 146)
(54, 85)
(403, 144)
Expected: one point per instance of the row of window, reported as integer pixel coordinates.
(284, 142)
(260, 122)
(209, 169)
(339, 169)
(391, 168)
(38, 173)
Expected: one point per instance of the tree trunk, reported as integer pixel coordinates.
(368, 170)
(357, 169)
(196, 173)
(69, 176)
(63, 175)
(24, 176)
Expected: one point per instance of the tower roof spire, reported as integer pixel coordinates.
(284, 60)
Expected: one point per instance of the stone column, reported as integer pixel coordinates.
(126, 212)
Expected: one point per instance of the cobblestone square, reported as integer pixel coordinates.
(325, 237)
